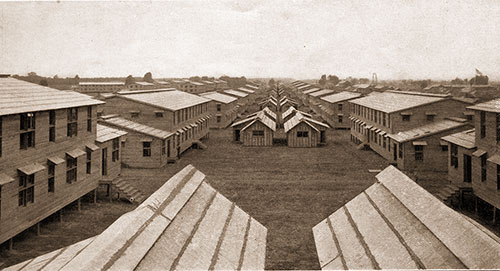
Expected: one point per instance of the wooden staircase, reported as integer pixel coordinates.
(200, 145)
(127, 191)
(448, 192)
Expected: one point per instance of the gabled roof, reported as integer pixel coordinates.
(311, 90)
(17, 96)
(489, 106)
(219, 97)
(301, 87)
(322, 92)
(246, 90)
(286, 100)
(136, 127)
(265, 116)
(185, 225)
(171, 100)
(298, 118)
(390, 102)
(396, 224)
(340, 97)
(427, 130)
(236, 93)
(466, 139)
(106, 133)
(251, 86)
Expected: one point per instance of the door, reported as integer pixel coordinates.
(168, 148)
(467, 168)
(394, 150)
(322, 137)
(237, 135)
(104, 161)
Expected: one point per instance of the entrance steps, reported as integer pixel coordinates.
(127, 191)
(448, 192)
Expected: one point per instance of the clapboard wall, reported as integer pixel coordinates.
(250, 140)
(311, 140)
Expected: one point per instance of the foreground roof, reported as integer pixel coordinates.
(184, 225)
(341, 96)
(490, 106)
(427, 130)
(17, 96)
(466, 139)
(106, 133)
(219, 97)
(392, 102)
(135, 127)
(171, 100)
(396, 224)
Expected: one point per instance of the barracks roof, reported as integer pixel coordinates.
(390, 102)
(247, 90)
(427, 130)
(298, 118)
(396, 224)
(490, 106)
(17, 96)
(341, 96)
(322, 92)
(136, 127)
(105, 133)
(236, 93)
(171, 100)
(184, 225)
(311, 90)
(466, 139)
(219, 97)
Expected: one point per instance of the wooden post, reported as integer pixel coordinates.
(38, 228)
(11, 243)
(494, 215)
(95, 196)
(61, 215)
(79, 203)
(475, 205)
(110, 189)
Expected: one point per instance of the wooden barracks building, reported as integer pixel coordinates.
(335, 109)
(377, 119)
(48, 156)
(223, 108)
(183, 114)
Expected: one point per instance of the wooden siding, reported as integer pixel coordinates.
(113, 168)
(456, 175)
(302, 142)
(249, 140)
(227, 117)
(14, 219)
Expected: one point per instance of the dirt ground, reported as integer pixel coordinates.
(288, 190)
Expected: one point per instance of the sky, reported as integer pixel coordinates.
(297, 39)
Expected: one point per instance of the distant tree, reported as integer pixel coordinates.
(44, 82)
(333, 79)
(457, 81)
(272, 83)
(322, 81)
(364, 80)
(56, 76)
(195, 78)
(479, 80)
(130, 80)
(204, 78)
(424, 83)
(32, 74)
(148, 77)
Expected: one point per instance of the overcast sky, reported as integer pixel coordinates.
(300, 39)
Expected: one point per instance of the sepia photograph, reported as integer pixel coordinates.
(249, 135)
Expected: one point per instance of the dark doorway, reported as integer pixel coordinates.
(237, 135)
(104, 161)
(467, 169)
(394, 150)
(322, 137)
(168, 148)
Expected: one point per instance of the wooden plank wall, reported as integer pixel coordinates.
(250, 140)
(303, 142)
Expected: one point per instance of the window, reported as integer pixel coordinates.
(384, 115)
(0, 202)
(400, 151)
(89, 160)
(339, 107)
(104, 160)
(302, 134)
(454, 156)
(218, 119)
(146, 149)
(71, 164)
(115, 155)
(27, 135)
(376, 113)
(99, 113)
(444, 147)
(483, 168)
(219, 107)
(72, 126)
(430, 117)
(419, 153)
(498, 178)
(163, 147)
(159, 114)
(134, 114)
(340, 118)
(52, 125)
(406, 117)
(258, 133)
(26, 189)
(483, 124)
(89, 119)
(498, 127)
(384, 142)
(51, 174)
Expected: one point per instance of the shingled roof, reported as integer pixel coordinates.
(17, 96)
(298, 118)
(219, 97)
(184, 225)
(396, 224)
(134, 127)
(170, 100)
(466, 139)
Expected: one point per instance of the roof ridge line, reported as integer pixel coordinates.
(215, 256)
(245, 241)
(337, 244)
